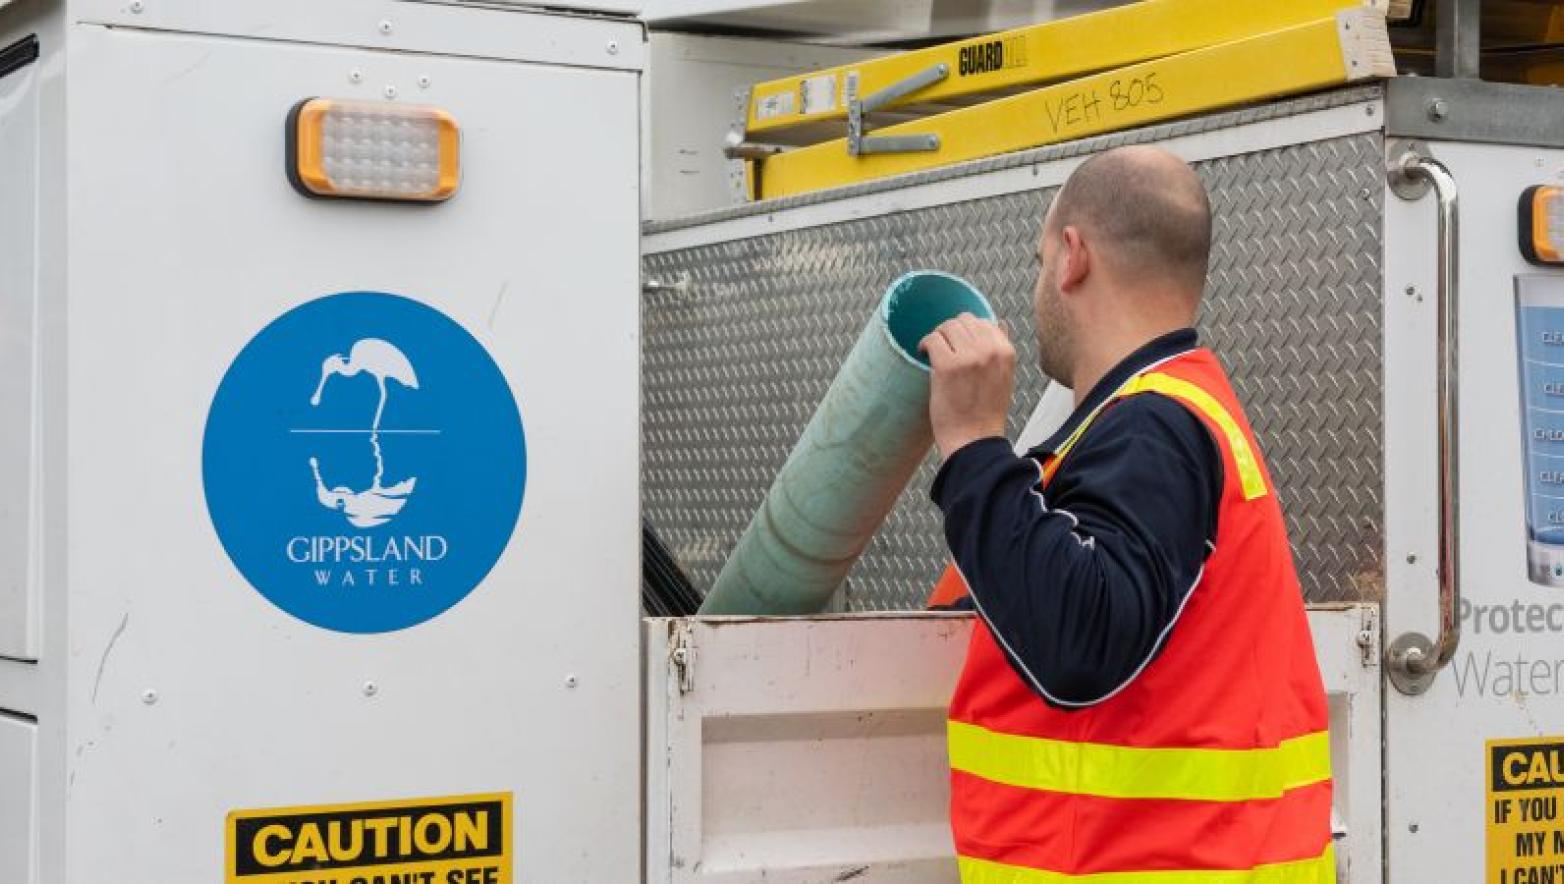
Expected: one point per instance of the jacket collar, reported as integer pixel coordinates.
(1157, 350)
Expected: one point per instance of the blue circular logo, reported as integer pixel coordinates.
(364, 462)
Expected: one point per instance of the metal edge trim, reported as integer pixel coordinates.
(1472, 110)
(229, 21)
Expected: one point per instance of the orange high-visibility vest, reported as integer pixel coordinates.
(1211, 764)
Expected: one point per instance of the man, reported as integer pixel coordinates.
(1140, 697)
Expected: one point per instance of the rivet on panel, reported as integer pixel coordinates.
(385, 26)
(137, 7)
(389, 92)
(149, 696)
(1438, 109)
(371, 689)
(355, 76)
(1411, 558)
(571, 681)
(424, 81)
(613, 47)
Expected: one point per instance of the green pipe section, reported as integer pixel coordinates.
(858, 452)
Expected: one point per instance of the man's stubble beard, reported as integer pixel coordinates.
(1055, 338)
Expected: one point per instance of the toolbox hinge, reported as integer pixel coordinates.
(681, 653)
(1368, 637)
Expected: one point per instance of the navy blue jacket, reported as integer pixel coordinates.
(1081, 584)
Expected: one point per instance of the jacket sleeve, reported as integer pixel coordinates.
(1082, 584)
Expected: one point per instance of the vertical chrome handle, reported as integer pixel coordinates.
(1412, 659)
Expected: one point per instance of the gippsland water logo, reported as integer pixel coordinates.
(364, 462)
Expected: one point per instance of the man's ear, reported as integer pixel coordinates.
(1075, 262)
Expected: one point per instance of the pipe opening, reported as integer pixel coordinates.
(917, 303)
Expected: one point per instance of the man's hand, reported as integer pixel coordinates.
(974, 374)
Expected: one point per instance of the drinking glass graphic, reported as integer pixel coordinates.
(1539, 328)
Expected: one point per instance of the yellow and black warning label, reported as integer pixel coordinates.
(465, 839)
(1525, 832)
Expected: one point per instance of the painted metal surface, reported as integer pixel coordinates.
(18, 800)
(837, 771)
(1504, 681)
(852, 461)
(21, 135)
(1293, 308)
(689, 107)
(518, 33)
(32, 689)
(169, 692)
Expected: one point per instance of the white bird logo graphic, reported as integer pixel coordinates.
(374, 505)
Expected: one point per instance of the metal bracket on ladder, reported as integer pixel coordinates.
(737, 146)
(859, 142)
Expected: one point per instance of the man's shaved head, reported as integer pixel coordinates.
(1123, 252)
(1146, 210)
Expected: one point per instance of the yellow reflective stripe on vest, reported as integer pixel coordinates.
(1315, 870)
(1203, 402)
(1126, 772)
(1249, 474)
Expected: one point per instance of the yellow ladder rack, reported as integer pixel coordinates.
(802, 110)
(1349, 46)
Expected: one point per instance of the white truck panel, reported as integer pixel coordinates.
(177, 693)
(18, 800)
(520, 33)
(22, 144)
(1505, 678)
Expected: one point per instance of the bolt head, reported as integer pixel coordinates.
(1438, 109)
(385, 26)
(613, 47)
(389, 92)
(355, 76)
(424, 81)
(1411, 557)
(571, 681)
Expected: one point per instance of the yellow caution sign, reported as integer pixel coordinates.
(464, 839)
(1351, 46)
(1525, 829)
(1027, 56)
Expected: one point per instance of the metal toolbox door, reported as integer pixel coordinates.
(806, 751)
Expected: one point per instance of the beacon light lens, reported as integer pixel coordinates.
(1542, 224)
(377, 150)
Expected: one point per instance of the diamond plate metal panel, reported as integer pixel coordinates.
(737, 356)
